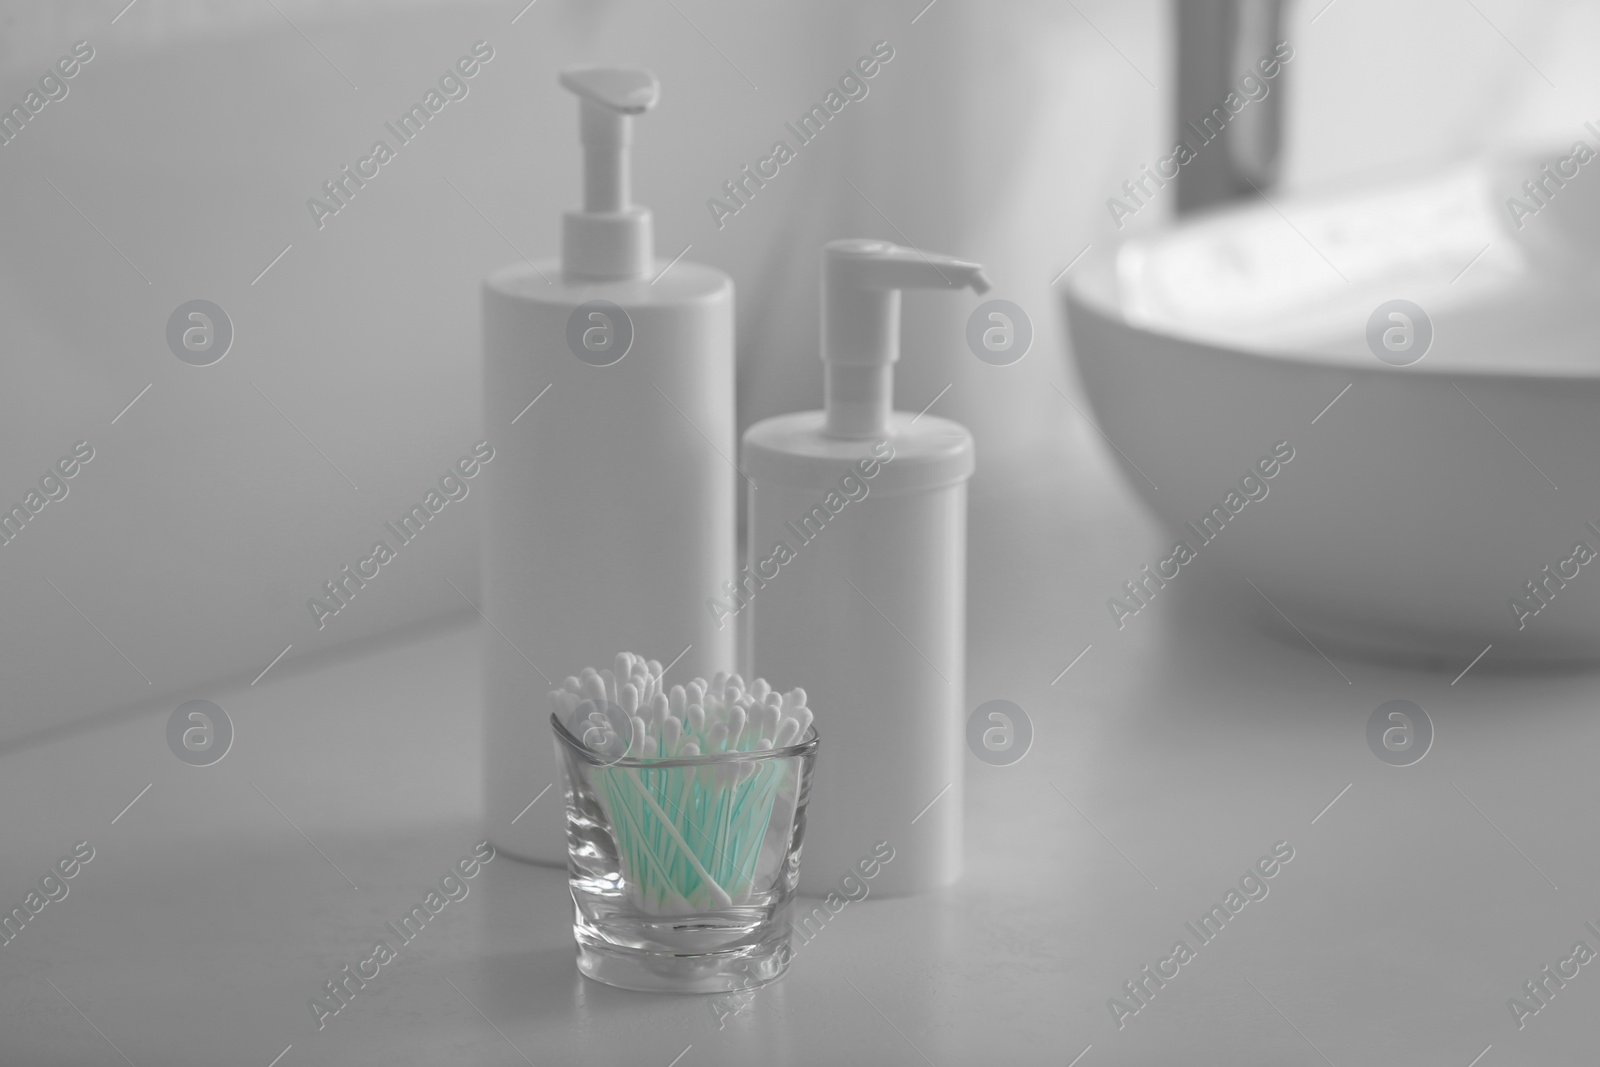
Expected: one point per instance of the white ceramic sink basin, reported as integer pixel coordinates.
(1419, 505)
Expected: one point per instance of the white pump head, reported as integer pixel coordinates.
(610, 239)
(861, 283)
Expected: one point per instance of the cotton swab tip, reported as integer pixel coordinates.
(788, 733)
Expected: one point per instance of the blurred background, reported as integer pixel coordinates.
(178, 166)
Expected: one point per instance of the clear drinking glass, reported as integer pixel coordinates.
(683, 870)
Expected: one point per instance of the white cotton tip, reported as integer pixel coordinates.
(794, 698)
(570, 684)
(719, 682)
(696, 719)
(735, 682)
(788, 733)
(640, 737)
(736, 725)
(803, 716)
(690, 749)
(622, 665)
(610, 681)
(629, 699)
(593, 688)
(671, 734)
(764, 744)
(660, 707)
(581, 714)
(655, 667)
(717, 737)
(774, 700)
(759, 689)
(677, 699)
(651, 749)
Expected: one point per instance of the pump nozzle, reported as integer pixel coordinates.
(610, 238)
(861, 283)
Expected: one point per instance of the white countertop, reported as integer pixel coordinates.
(1168, 760)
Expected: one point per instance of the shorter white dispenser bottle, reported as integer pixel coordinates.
(856, 583)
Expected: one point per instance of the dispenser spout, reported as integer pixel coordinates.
(861, 283)
(611, 238)
(879, 265)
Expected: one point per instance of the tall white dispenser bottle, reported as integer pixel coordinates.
(610, 504)
(856, 581)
